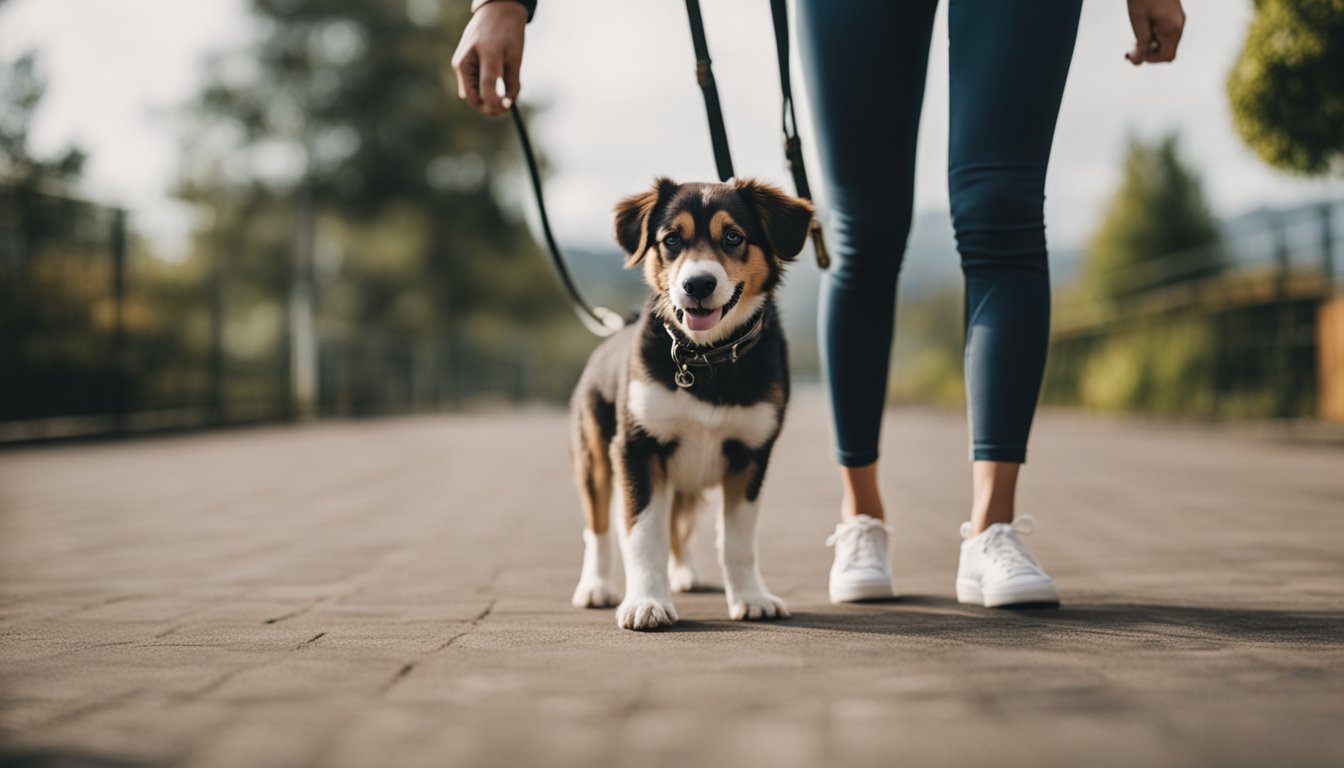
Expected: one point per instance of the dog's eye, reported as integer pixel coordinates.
(732, 239)
(672, 241)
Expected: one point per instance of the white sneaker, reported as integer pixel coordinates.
(996, 569)
(860, 569)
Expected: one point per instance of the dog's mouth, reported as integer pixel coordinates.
(700, 319)
(705, 318)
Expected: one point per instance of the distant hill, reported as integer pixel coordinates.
(932, 265)
(600, 275)
(1250, 238)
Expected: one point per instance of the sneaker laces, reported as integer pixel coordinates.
(862, 548)
(1003, 548)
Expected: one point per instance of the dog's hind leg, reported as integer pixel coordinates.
(681, 570)
(593, 475)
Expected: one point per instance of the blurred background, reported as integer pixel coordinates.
(253, 210)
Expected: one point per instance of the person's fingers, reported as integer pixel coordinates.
(1163, 49)
(1168, 33)
(1143, 34)
(468, 76)
(512, 63)
(491, 70)
(1176, 40)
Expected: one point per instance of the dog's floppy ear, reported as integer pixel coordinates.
(634, 216)
(784, 218)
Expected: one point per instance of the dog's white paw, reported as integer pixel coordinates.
(645, 613)
(757, 605)
(595, 593)
(682, 577)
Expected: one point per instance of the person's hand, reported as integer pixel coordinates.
(1157, 30)
(491, 48)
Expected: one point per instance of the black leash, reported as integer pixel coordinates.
(604, 322)
(704, 75)
(793, 145)
(600, 320)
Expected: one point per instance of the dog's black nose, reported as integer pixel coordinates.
(700, 286)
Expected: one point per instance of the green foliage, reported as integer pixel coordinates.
(1287, 87)
(1212, 358)
(1159, 368)
(1157, 230)
(927, 360)
(21, 89)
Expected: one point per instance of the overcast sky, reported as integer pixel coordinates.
(616, 82)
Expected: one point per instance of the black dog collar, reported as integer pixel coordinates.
(685, 356)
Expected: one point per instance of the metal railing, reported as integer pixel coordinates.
(95, 339)
(1237, 340)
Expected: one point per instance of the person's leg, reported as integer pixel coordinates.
(865, 64)
(1008, 63)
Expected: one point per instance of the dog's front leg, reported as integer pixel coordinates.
(747, 596)
(646, 522)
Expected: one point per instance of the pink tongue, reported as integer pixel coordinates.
(703, 322)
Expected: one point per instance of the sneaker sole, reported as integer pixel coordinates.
(857, 593)
(971, 593)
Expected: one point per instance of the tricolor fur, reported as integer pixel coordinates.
(713, 255)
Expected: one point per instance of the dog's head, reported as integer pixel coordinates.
(713, 253)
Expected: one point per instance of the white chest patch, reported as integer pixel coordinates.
(700, 430)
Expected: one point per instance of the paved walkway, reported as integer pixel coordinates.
(395, 593)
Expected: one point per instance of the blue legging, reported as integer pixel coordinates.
(865, 62)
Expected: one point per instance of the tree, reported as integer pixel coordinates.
(53, 275)
(1287, 87)
(1157, 230)
(21, 89)
(341, 108)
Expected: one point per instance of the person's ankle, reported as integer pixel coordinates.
(851, 508)
(860, 493)
(982, 519)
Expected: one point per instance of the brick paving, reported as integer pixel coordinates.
(395, 593)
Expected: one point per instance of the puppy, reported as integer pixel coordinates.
(688, 398)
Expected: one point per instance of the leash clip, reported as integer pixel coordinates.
(683, 377)
(819, 245)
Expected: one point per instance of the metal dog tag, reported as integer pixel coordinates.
(684, 379)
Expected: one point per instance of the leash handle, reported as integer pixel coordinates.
(704, 75)
(599, 320)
